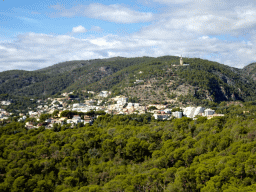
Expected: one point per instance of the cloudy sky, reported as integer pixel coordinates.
(37, 34)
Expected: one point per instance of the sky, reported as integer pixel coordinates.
(37, 34)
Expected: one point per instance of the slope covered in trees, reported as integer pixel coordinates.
(209, 80)
(57, 78)
(205, 79)
(133, 153)
(250, 70)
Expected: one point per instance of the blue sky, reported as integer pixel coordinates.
(37, 34)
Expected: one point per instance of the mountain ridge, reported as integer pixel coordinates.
(206, 79)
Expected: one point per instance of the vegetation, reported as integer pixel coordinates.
(19, 103)
(200, 81)
(134, 153)
(70, 114)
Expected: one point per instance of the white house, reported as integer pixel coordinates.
(138, 81)
(161, 116)
(191, 112)
(122, 100)
(104, 93)
(177, 114)
(208, 112)
(5, 102)
(77, 119)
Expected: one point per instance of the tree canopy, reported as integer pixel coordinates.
(133, 153)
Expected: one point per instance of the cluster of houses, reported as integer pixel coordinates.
(85, 107)
(120, 105)
(191, 112)
(6, 102)
(49, 123)
(4, 114)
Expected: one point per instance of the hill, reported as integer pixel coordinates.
(201, 79)
(250, 70)
(162, 79)
(57, 78)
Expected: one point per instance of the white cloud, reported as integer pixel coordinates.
(117, 13)
(113, 13)
(190, 28)
(245, 17)
(79, 29)
(207, 17)
(176, 41)
(33, 51)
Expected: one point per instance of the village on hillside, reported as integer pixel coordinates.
(99, 102)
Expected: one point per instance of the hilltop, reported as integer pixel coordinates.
(158, 79)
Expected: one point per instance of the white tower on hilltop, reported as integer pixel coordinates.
(181, 61)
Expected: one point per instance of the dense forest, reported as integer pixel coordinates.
(134, 153)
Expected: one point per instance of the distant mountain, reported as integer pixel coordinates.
(162, 79)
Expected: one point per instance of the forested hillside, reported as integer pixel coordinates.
(57, 78)
(200, 80)
(161, 79)
(133, 153)
(250, 70)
